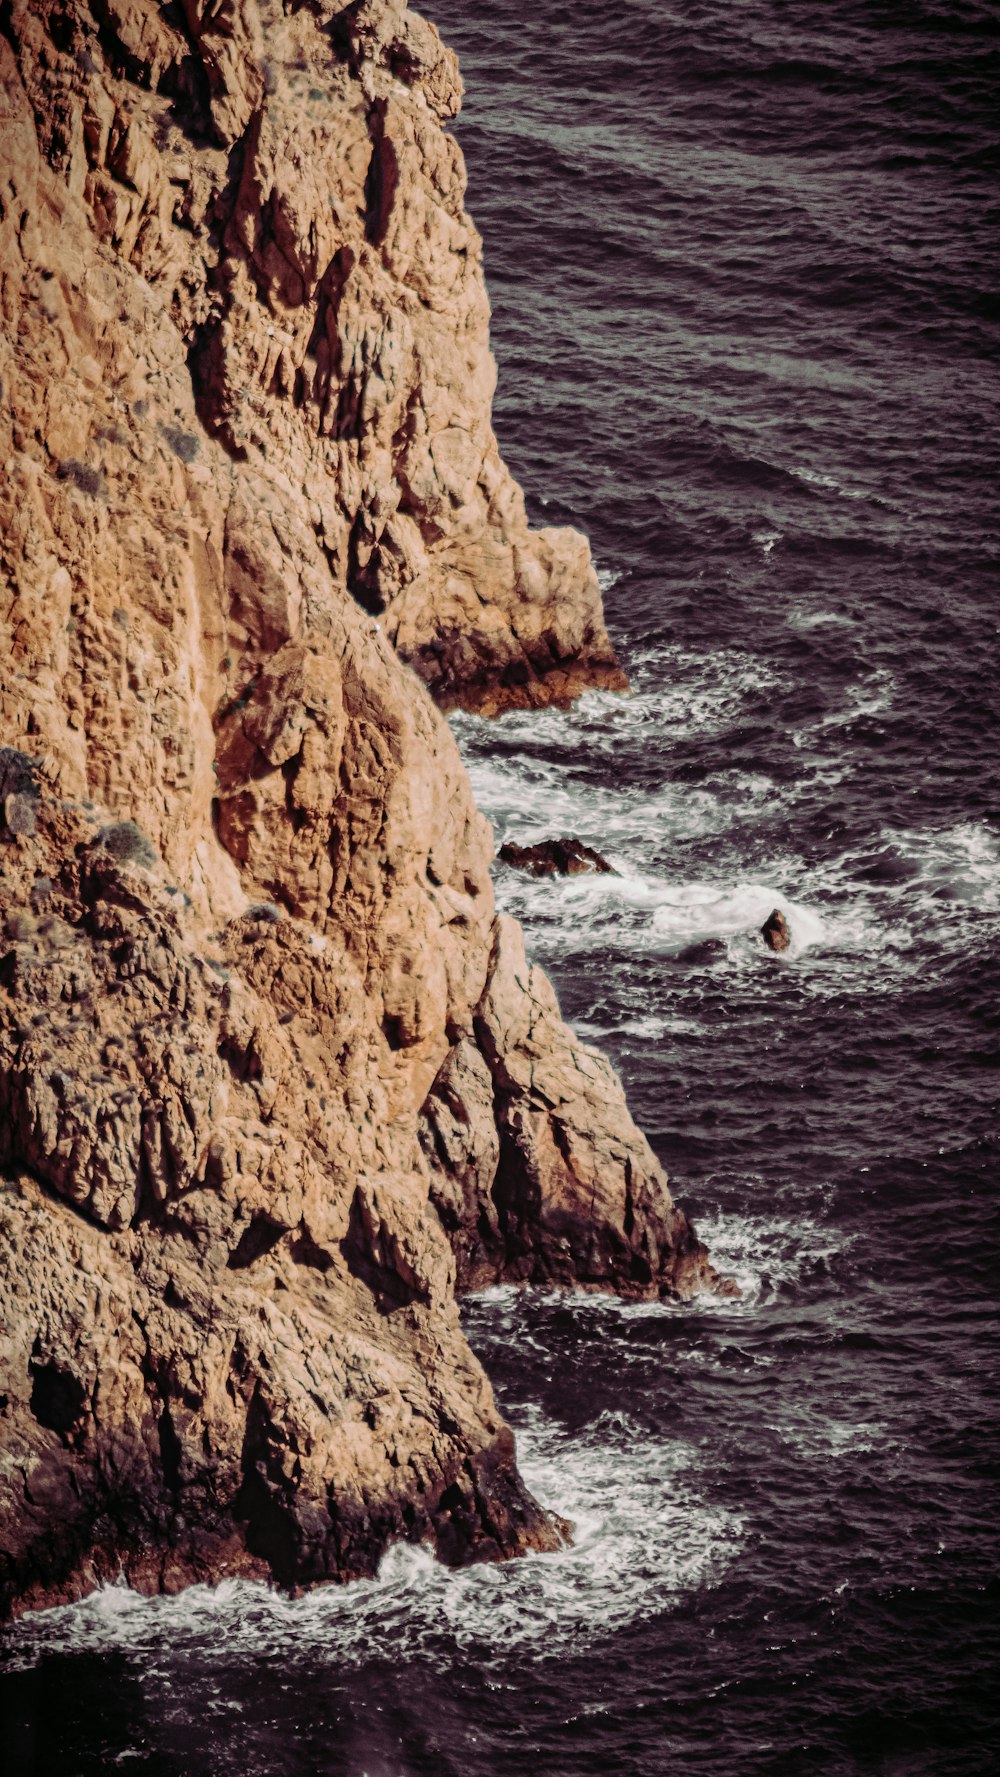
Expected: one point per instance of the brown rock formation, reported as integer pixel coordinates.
(233, 1344)
(556, 857)
(775, 932)
(272, 1075)
(280, 211)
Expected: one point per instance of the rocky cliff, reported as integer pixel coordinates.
(275, 1082)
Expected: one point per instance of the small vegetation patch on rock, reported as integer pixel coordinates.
(83, 475)
(18, 773)
(127, 844)
(266, 911)
(19, 791)
(183, 444)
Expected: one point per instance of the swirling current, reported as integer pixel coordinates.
(743, 263)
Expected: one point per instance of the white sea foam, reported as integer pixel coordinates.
(814, 1434)
(888, 901)
(816, 478)
(963, 861)
(657, 1028)
(800, 619)
(529, 802)
(859, 921)
(643, 1535)
(703, 910)
(767, 1253)
(860, 918)
(635, 913)
(674, 691)
(837, 1438)
(869, 697)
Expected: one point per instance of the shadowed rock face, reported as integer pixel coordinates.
(274, 1080)
(539, 1173)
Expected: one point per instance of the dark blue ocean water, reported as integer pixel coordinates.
(743, 260)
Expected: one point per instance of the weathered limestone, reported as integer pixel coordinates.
(273, 1078)
(230, 1341)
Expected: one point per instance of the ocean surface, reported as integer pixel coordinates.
(743, 260)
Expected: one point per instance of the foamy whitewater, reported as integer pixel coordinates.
(743, 261)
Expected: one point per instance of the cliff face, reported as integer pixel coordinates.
(274, 1080)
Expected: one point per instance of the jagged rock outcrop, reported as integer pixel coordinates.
(539, 1172)
(556, 857)
(230, 1341)
(274, 1080)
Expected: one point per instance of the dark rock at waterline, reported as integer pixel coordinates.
(705, 951)
(556, 857)
(775, 932)
(888, 867)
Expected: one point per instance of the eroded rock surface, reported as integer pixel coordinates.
(274, 1080)
(274, 206)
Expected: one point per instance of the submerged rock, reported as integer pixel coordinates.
(702, 954)
(775, 931)
(555, 857)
